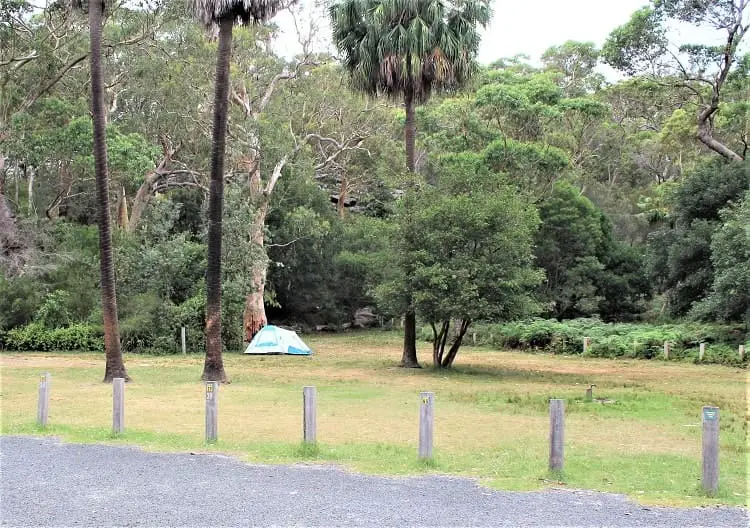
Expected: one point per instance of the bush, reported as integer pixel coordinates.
(611, 340)
(35, 337)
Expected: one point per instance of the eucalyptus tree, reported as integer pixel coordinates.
(224, 14)
(404, 50)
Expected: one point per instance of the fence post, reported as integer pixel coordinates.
(666, 349)
(590, 393)
(426, 419)
(118, 405)
(586, 344)
(183, 339)
(701, 351)
(212, 405)
(309, 419)
(742, 352)
(42, 409)
(556, 433)
(710, 449)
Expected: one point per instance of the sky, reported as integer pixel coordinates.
(520, 27)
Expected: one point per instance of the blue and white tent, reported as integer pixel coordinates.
(274, 340)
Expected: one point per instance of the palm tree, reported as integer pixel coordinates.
(224, 14)
(404, 49)
(115, 367)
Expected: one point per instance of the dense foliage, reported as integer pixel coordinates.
(536, 190)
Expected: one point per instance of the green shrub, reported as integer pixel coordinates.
(36, 337)
(633, 340)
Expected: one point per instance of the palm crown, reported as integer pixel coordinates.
(392, 47)
(209, 12)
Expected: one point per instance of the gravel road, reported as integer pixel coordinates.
(48, 483)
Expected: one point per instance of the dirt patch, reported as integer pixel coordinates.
(50, 361)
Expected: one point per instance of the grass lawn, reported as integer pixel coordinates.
(491, 413)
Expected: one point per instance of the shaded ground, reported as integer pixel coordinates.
(47, 483)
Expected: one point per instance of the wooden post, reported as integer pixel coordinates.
(666, 349)
(474, 338)
(590, 393)
(309, 419)
(426, 419)
(184, 341)
(710, 449)
(586, 344)
(556, 434)
(742, 352)
(701, 351)
(118, 405)
(42, 409)
(212, 407)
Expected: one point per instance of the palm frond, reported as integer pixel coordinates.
(209, 12)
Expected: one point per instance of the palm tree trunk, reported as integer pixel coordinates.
(409, 356)
(213, 368)
(115, 368)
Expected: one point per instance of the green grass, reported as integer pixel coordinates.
(491, 414)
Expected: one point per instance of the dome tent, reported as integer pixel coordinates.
(274, 340)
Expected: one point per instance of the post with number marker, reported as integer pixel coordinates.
(666, 349)
(42, 410)
(742, 352)
(556, 434)
(183, 339)
(309, 404)
(118, 405)
(212, 414)
(426, 420)
(586, 344)
(701, 351)
(710, 449)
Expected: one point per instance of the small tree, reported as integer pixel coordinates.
(472, 254)
(404, 50)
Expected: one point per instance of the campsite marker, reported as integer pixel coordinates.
(42, 410)
(701, 351)
(309, 422)
(212, 397)
(426, 420)
(710, 476)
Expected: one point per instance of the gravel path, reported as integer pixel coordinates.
(47, 483)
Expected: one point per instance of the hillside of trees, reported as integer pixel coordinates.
(530, 190)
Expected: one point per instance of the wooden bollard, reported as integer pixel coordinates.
(118, 405)
(474, 338)
(710, 449)
(590, 393)
(701, 351)
(309, 419)
(183, 340)
(586, 344)
(666, 349)
(556, 434)
(426, 421)
(212, 415)
(42, 409)
(742, 352)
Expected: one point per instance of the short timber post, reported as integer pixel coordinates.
(183, 339)
(42, 409)
(474, 338)
(426, 420)
(701, 351)
(212, 406)
(118, 405)
(590, 393)
(309, 419)
(586, 344)
(742, 352)
(666, 349)
(556, 434)
(710, 449)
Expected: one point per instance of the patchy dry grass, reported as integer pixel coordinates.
(491, 413)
